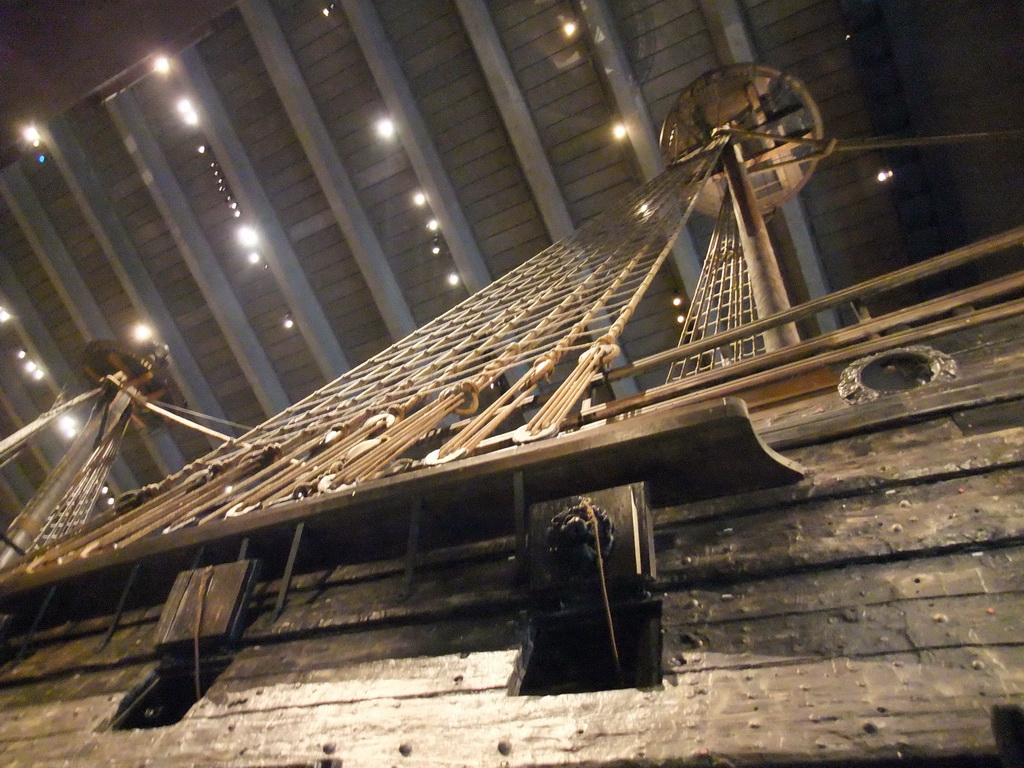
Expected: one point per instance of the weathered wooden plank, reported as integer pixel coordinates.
(747, 630)
(842, 708)
(384, 679)
(303, 656)
(840, 591)
(66, 717)
(950, 515)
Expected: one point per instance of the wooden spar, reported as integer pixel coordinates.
(828, 146)
(766, 284)
(764, 373)
(865, 289)
(183, 421)
(25, 531)
(145, 403)
(15, 441)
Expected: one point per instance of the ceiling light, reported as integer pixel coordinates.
(453, 279)
(185, 106)
(288, 322)
(110, 501)
(677, 301)
(38, 373)
(569, 28)
(229, 488)
(30, 367)
(202, 148)
(419, 198)
(327, 11)
(435, 250)
(237, 214)
(680, 319)
(162, 64)
(884, 175)
(4, 315)
(105, 490)
(619, 131)
(247, 236)
(142, 332)
(432, 225)
(32, 135)
(385, 128)
(191, 118)
(21, 354)
(254, 258)
(68, 426)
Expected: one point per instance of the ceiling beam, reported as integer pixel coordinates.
(53, 256)
(733, 44)
(40, 346)
(18, 404)
(522, 131)
(284, 264)
(617, 73)
(197, 252)
(67, 281)
(415, 137)
(90, 194)
(628, 99)
(491, 56)
(327, 165)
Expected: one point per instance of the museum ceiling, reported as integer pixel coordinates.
(279, 189)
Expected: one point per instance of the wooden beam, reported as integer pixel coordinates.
(733, 44)
(17, 488)
(42, 236)
(522, 131)
(327, 165)
(67, 281)
(16, 401)
(415, 137)
(281, 258)
(628, 100)
(515, 114)
(197, 252)
(124, 260)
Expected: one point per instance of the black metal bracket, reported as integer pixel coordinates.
(120, 604)
(286, 579)
(30, 635)
(412, 546)
(519, 512)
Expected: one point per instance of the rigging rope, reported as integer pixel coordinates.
(576, 296)
(722, 301)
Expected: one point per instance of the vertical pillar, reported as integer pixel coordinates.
(765, 278)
